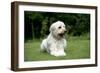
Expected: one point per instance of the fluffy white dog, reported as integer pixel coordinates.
(55, 42)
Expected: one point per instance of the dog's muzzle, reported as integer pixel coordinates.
(62, 34)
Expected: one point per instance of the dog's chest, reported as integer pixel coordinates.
(59, 43)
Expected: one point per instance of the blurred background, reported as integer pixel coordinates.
(37, 23)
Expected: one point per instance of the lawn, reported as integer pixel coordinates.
(78, 48)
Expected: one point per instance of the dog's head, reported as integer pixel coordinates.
(58, 29)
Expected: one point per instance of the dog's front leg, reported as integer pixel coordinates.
(54, 50)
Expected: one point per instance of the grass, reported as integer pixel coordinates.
(78, 48)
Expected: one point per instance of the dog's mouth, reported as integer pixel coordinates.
(61, 34)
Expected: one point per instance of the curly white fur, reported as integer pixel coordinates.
(55, 42)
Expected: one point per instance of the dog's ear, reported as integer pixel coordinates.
(52, 28)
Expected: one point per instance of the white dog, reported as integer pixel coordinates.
(55, 42)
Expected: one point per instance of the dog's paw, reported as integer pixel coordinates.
(58, 54)
(54, 54)
(63, 54)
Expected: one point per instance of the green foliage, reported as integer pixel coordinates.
(44, 28)
(37, 23)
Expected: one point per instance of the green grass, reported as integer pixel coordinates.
(78, 48)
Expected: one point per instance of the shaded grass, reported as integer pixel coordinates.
(78, 48)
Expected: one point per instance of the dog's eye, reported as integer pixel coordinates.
(59, 27)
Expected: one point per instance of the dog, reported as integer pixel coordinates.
(55, 43)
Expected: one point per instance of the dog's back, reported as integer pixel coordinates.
(44, 45)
